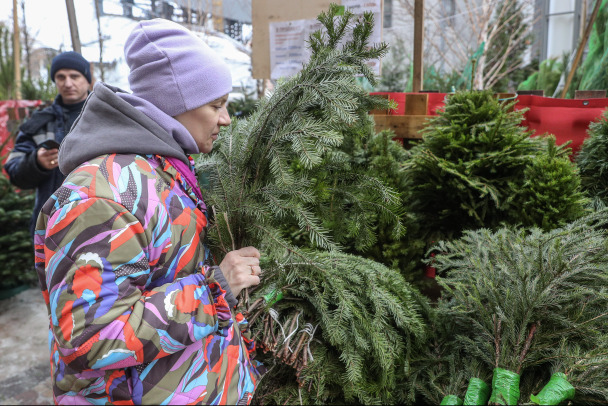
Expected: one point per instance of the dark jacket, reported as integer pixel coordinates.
(22, 166)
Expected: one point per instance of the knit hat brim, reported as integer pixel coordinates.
(71, 60)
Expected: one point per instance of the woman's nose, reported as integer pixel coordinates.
(224, 117)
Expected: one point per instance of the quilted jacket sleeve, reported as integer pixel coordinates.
(97, 267)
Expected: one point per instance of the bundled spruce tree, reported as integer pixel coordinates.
(478, 167)
(593, 163)
(526, 304)
(331, 327)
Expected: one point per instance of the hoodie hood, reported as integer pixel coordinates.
(109, 124)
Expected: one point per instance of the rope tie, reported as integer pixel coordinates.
(294, 330)
(308, 329)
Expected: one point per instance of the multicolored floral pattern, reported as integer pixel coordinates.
(136, 314)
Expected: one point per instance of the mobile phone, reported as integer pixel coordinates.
(49, 144)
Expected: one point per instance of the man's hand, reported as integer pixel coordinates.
(47, 158)
(241, 268)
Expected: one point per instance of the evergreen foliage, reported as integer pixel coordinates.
(380, 156)
(282, 167)
(35, 89)
(593, 73)
(16, 250)
(40, 88)
(364, 153)
(243, 107)
(7, 67)
(362, 317)
(511, 296)
(551, 194)
(398, 73)
(586, 369)
(263, 168)
(547, 77)
(592, 160)
(476, 167)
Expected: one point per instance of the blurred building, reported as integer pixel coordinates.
(559, 26)
(233, 17)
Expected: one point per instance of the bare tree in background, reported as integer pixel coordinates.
(457, 29)
(100, 39)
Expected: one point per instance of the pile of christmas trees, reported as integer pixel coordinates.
(344, 217)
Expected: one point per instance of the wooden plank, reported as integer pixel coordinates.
(418, 45)
(407, 127)
(505, 96)
(416, 104)
(532, 92)
(589, 94)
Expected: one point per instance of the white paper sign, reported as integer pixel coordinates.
(288, 39)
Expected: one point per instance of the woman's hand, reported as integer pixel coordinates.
(241, 268)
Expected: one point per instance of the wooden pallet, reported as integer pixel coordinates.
(409, 125)
(406, 127)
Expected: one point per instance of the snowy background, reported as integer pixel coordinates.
(47, 23)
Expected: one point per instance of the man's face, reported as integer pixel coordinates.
(71, 85)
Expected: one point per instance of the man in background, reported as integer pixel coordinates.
(32, 163)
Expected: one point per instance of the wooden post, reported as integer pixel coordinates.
(73, 26)
(418, 45)
(581, 48)
(16, 51)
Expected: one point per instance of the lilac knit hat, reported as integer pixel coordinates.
(174, 69)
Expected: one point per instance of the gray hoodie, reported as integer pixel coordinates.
(110, 124)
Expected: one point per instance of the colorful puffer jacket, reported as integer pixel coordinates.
(137, 316)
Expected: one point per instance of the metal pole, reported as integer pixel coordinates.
(418, 45)
(16, 51)
(73, 26)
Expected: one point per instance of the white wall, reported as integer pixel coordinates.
(560, 28)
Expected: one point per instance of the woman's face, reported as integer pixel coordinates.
(204, 122)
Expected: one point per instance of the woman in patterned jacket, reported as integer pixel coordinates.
(137, 313)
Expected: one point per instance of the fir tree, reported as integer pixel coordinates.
(514, 295)
(470, 168)
(16, 250)
(592, 161)
(343, 326)
(551, 195)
